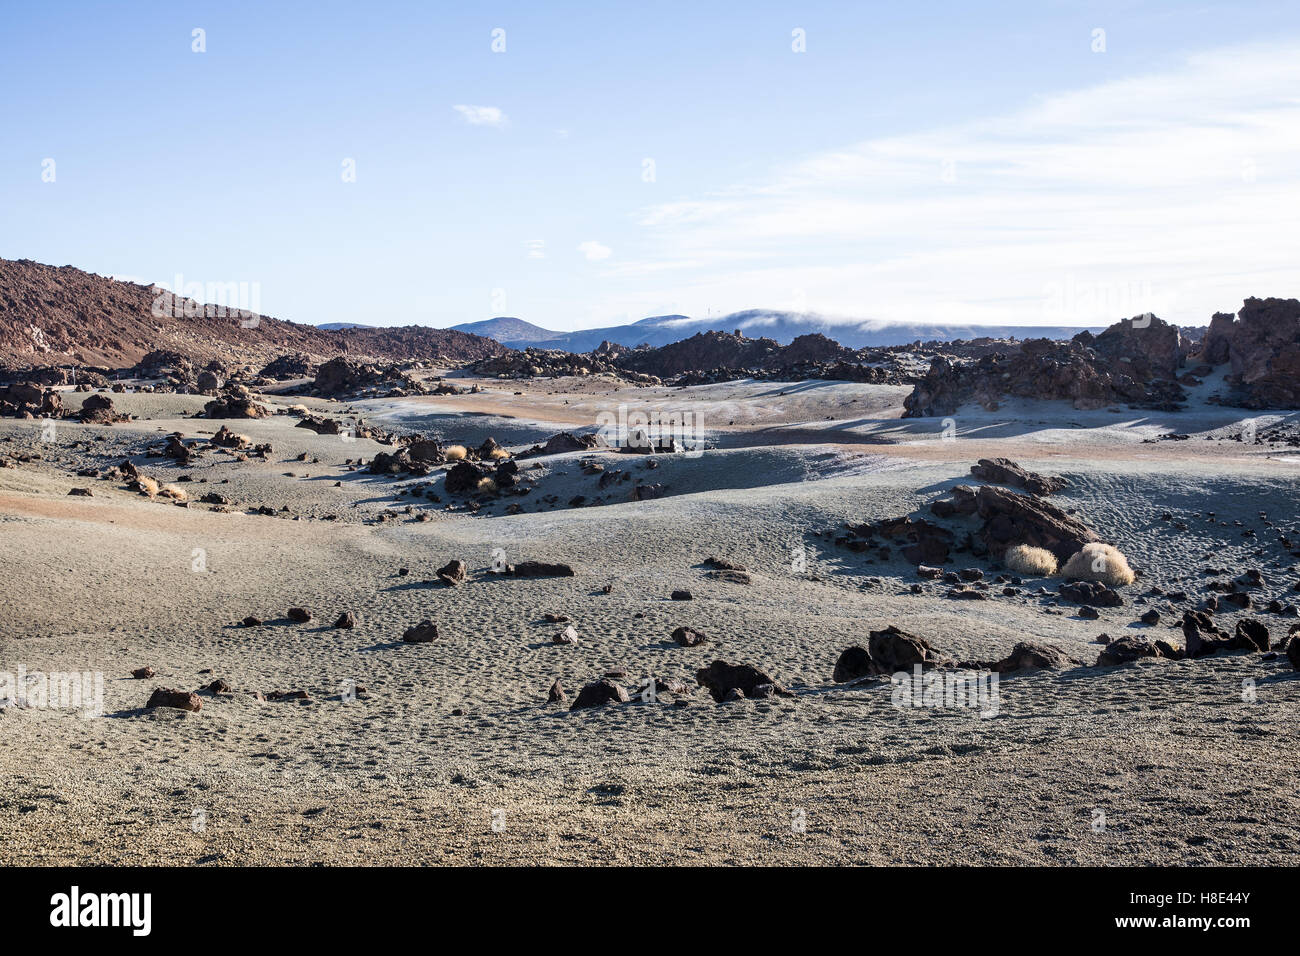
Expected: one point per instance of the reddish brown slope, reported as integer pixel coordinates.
(57, 314)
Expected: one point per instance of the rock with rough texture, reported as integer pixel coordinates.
(556, 694)
(347, 620)
(1262, 346)
(539, 569)
(1029, 656)
(1090, 594)
(453, 573)
(1125, 650)
(720, 678)
(426, 632)
(599, 693)
(180, 699)
(299, 614)
(893, 649)
(1011, 519)
(688, 637)
(854, 662)
(1004, 471)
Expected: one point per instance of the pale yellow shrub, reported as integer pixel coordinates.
(1026, 559)
(1099, 562)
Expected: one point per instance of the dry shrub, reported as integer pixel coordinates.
(497, 454)
(173, 491)
(486, 485)
(1026, 559)
(147, 485)
(1099, 562)
(454, 452)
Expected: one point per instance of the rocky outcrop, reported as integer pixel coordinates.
(1011, 518)
(1133, 362)
(235, 402)
(1004, 471)
(1262, 348)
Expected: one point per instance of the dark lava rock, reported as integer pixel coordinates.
(180, 699)
(1125, 650)
(854, 662)
(539, 569)
(426, 632)
(688, 637)
(599, 693)
(893, 650)
(453, 572)
(1090, 593)
(720, 678)
(299, 614)
(347, 620)
(1004, 471)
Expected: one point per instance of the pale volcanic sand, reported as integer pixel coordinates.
(1184, 769)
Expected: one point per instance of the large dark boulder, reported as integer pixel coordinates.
(721, 678)
(1011, 519)
(893, 650)
(599, 693)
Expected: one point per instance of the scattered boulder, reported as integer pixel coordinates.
(556, 694)
(539, 569)
(180, 699)
(299, 614)
(1125, 650)
(453, 573)
(1090, 594)
(689, 637)
(1029, 656)
(894, 649)
(426, 632)
(720, 678)
(854, 662)
(599, 693)
(142, 673)
(1011, 518)
(347, 620)
(731, 577)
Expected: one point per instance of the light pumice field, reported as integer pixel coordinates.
(450, 751)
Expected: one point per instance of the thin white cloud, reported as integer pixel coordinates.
(594, 251)
(1175, 193)
(482, 115)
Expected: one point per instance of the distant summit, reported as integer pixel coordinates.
(512, 332)
(782, 327)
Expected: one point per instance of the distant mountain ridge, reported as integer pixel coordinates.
(783, 327)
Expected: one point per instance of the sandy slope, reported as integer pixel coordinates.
(1182, 766)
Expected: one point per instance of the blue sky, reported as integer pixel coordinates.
(917, 162)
